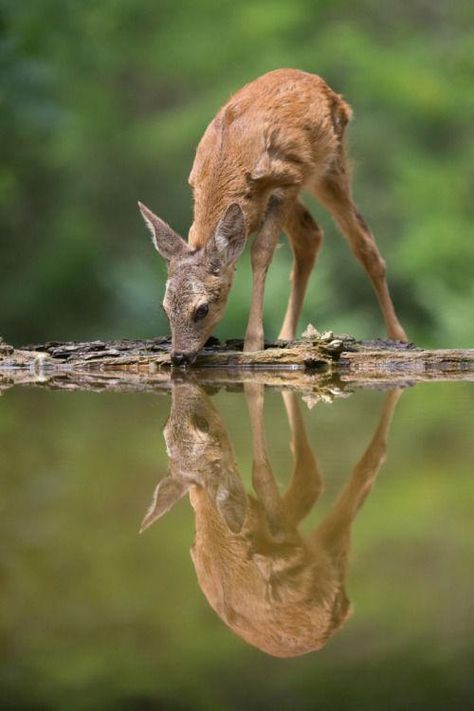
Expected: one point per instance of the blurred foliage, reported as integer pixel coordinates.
(103, 103)
(97, 617)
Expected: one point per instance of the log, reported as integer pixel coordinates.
(320, 365)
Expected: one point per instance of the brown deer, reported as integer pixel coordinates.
(276, 136)
(280, 591)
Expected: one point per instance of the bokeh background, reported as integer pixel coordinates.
(103, 103)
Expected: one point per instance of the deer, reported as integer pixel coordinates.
(277, 136)
(280, 591)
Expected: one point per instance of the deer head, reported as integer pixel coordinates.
(200, 458)
(199, 280)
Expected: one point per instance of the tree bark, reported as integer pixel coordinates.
(314, 362)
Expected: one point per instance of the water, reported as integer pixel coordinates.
(97, 616)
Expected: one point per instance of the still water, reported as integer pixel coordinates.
(291, 557)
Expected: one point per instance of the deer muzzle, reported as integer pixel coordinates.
(181, 359)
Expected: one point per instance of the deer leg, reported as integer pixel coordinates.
(305, 237)
(262, 476)
(334, 192)
(334, 531)
(262, 252)
(306, 483)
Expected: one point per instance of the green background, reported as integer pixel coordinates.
(103, 103)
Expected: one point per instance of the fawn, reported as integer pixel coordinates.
(280, 591)
(279, 134)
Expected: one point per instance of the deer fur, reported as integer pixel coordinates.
(278, 135)
(280, 591)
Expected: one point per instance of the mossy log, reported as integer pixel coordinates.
(308, 364)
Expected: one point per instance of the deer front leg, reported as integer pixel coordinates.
(262, 476)
(305, 237)
(306, 483)
(261, 256)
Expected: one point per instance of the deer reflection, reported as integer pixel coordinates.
(281, 591)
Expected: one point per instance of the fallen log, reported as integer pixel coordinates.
(314, 361)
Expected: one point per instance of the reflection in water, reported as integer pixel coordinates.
(277, 589)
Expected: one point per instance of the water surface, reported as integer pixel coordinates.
(97, 616)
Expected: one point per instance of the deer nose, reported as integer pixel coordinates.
(182, 358)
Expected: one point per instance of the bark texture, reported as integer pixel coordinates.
(317, 361)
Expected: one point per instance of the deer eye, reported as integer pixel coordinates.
(201, 423)
(201, 312)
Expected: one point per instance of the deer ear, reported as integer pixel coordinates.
(168, 492)
(168, 244)
(230, 235)
(231, 501)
